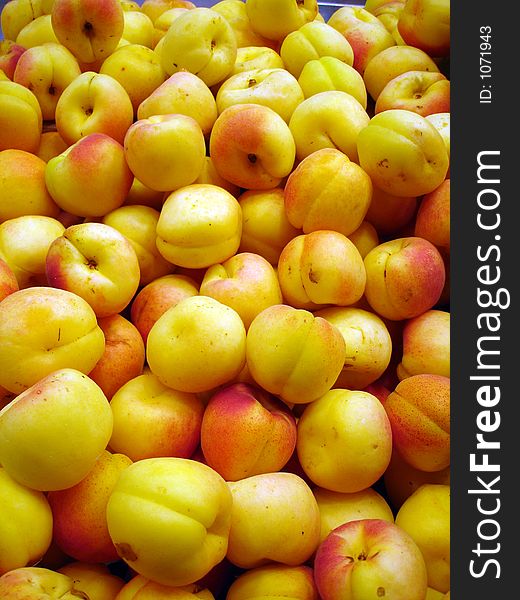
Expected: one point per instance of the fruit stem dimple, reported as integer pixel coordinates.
(88, 28)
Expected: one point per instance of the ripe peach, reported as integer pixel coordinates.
(370, 558)
(79, 521)
(426, 345)
(252, 146)
(146, 142)
(43, 329)
(274, 517)
(425, 24)
(419, 412)
(24, 242)
(153, 420)
(403, 153)
(138, 28)
(182, 93)
(93, 103)
(425, 516)
(246, 431)
(26, 525)
(47, 70)
(274, 88)
(331, 119)
(321, 268)
(327, 191)
(364, 31)
(433, 217)
(90, 29)
(97, 263)
(186, 534)
(91, 177)
(329, 73)
(20, 118)
(344, 440)
(294, 355)
(394, 61)
(37, 32)
(73, 432)
(10, 53)
(405, 277)
(15, 16)
(199, 226)
(210, 52)
(419, 91)
(209, 352)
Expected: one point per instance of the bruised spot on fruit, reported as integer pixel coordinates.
(126, 551)
(380, 592)
(213, 44)
(313, 278)
(383, 163)
(251, 82)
